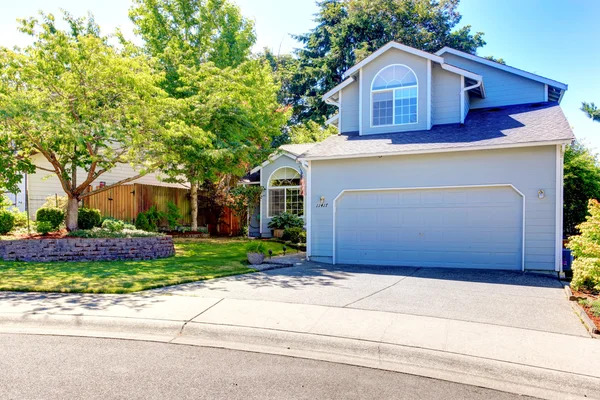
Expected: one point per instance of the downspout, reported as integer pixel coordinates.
(462, 97)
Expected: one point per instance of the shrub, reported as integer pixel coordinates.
(20, 218)
(102, 233)
(5, 202)
(44, 227)
(285, 221)
(88, 218)
(586, 249)
(256, 246)
(173, 214)
(149, 220)
(141, 222)
(294, 235)
(56, 202)
(7, 221)
(54, 216)
(113, 225)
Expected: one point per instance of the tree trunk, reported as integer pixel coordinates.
(194, 204)
(72, 212)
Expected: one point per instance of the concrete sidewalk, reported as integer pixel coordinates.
(513, 359)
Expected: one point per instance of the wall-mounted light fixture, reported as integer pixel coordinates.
(541, 194)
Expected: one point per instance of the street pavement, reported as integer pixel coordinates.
(47, 367)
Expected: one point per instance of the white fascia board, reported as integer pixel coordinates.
(463, 72)
(394, 45)
(272, 158)
(339, 87)
(503, 67)
(445, 150)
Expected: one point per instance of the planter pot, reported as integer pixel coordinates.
(255, 258)
(278, 233)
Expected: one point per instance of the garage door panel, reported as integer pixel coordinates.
(470, 227)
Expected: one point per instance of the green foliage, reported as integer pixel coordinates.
(350, 30)
(77, 100)
(494, 59)
(20, 218)
(148, 220)
(44, 227)
(243, 199)
(113, 225)
(173, 214)
(285, 221)
(203, 229)
(7, 221)
(311, 132)
(256, 246)
(5, 202)
(295, 235)
(109, 233)
(54, 216)
(56, 202)
(586, 249)
(591, 110)
(581, 183)
(89, 218)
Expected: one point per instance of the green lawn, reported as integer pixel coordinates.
(195, 260)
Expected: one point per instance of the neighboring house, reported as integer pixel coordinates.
(43, 184)
(443, 160)
(281, 176)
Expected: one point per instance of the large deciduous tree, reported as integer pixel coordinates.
(227, 108)
(591, 110)
(80, 102)
(347, 31)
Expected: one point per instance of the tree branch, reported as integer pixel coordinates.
(105, 188)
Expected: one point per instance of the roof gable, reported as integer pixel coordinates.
(503, 67)
(287, 150)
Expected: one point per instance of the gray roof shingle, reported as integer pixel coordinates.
(297, 149)
(510, 125)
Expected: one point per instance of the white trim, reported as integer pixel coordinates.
(272, 158)
(397, 46)
(360, 101)
(260, 209)
(308, 212)
(444, 150)
(503, 67)
(546, 92)
(338, 88)
(462, 72)
(268, 187)
(393, 90)
(462, 99)
(429, 116)
(340, 112)
(432, 188)
(559, 208)
(331, 121)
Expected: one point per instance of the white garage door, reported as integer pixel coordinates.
(458, 228)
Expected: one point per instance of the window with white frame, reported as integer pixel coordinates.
(285, 192)
(394, 95)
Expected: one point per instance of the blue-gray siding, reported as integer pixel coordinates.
(527, 169)
(349, 108)
(502, 88)
(445, 96)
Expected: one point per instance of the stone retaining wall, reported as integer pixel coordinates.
(77, 249)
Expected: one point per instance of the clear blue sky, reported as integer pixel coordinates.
(557, 39)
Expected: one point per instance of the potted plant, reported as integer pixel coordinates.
(255, 251)
(283, 221)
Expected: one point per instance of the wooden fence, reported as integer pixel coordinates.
(127, 201)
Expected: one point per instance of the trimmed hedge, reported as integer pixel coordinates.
(52, 215)
(89, 218)
(7, 222)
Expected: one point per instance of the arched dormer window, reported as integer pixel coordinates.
(284, 191)
(394, 95)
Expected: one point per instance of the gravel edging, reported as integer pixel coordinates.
(581, 313)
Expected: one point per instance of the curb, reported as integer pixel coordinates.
(585, 319)
(476, 371)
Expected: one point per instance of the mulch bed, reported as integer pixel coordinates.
(62, 234)
(592, 297)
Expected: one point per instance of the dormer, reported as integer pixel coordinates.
(400, 89)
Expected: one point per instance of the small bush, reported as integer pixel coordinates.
(88, 218)
(149, 220)
(102, 233)
(285, 221)
(203, 229)
(256, 246)
(294, 235)
(586, 249)
(7, 221)
(54, 216)
(173, 215)
(43, 227)
(113, 225)
(20, 219)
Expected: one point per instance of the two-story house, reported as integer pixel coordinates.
(442, 160)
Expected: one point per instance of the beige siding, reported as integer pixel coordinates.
(369, 71)
(349, 108)
(445, 96)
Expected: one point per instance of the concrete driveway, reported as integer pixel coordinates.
(514, 299)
